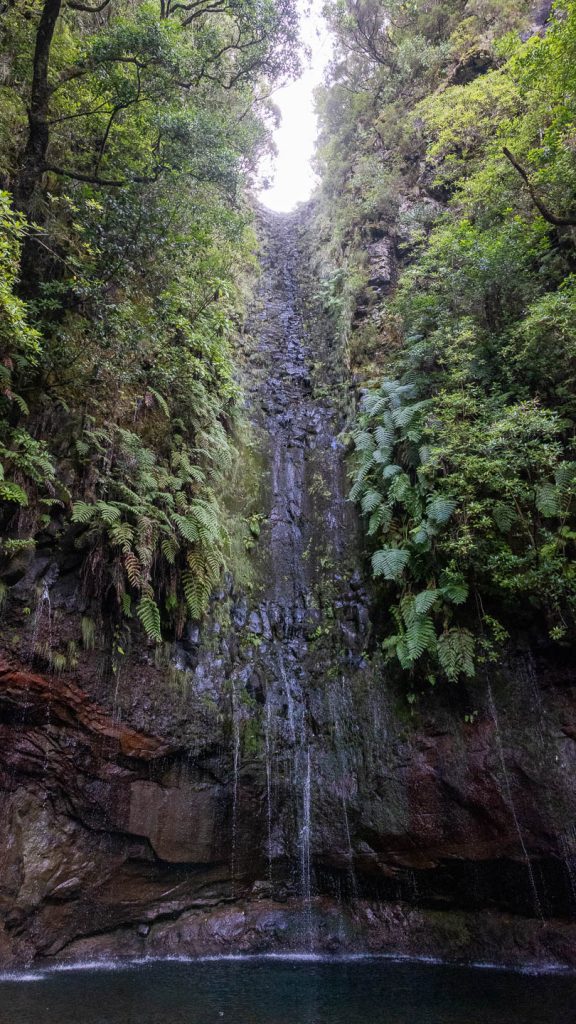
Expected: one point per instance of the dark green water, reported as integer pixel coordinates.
(371, 991)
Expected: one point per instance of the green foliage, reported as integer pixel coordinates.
(464, 451)
(122, 288)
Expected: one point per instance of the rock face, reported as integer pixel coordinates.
(262, 785)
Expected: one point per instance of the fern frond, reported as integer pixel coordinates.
(385, 436)
(390, 562)
(82, 512)
(149, 615)
(186, 526)
(455, 591)
(169, 548)
(133, 569)
(440, 509)
(121, 535)
(363, 441)
(547, 500)
(13, 492)
(504, 516)
(456, 649)
(197, 593)
(420, 637)
(160, 401)
(109, 514)
(380, 519)
(371, 501)
(425, 601)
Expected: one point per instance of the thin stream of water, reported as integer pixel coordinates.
(511, 805)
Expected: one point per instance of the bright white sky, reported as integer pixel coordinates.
(292, 177)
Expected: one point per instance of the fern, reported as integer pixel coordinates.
(456, 649)
(122, 535)
(504, 516)
(81, 512)
(205, 517)
(109, 514)
(187, 527)
(160, 401)
(440, 509)
(385, 436)
(133, 569)
(149, 615)
(19, 401)
(380, 520)
(197, 593)
(364, 441)
(565, 475)
(169, 548)
(547, 500)
(370, 501)
(13, 492)
(420, 636)
(390, 562)
(424, 602)
(455, 591)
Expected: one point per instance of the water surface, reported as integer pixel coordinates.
(270, 991)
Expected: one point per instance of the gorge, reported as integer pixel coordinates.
(287, 516)
(271, 793)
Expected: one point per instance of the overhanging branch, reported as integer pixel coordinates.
(551, 218)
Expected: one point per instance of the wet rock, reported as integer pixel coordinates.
(270, 772)
(180, 821)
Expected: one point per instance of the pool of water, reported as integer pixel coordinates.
(287, 991)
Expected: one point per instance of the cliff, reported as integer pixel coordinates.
(261, 784)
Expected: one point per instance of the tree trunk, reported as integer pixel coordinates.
(33, 162)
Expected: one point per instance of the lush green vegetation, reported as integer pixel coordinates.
(451, 127)
(128, 134)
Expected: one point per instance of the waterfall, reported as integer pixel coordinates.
(305, 837)
(235, 776)
(268, 740)
(42, 612)
(511, 805)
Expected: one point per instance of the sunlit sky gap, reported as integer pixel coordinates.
(291, 175)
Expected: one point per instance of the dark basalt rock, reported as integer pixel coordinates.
(265, 787)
